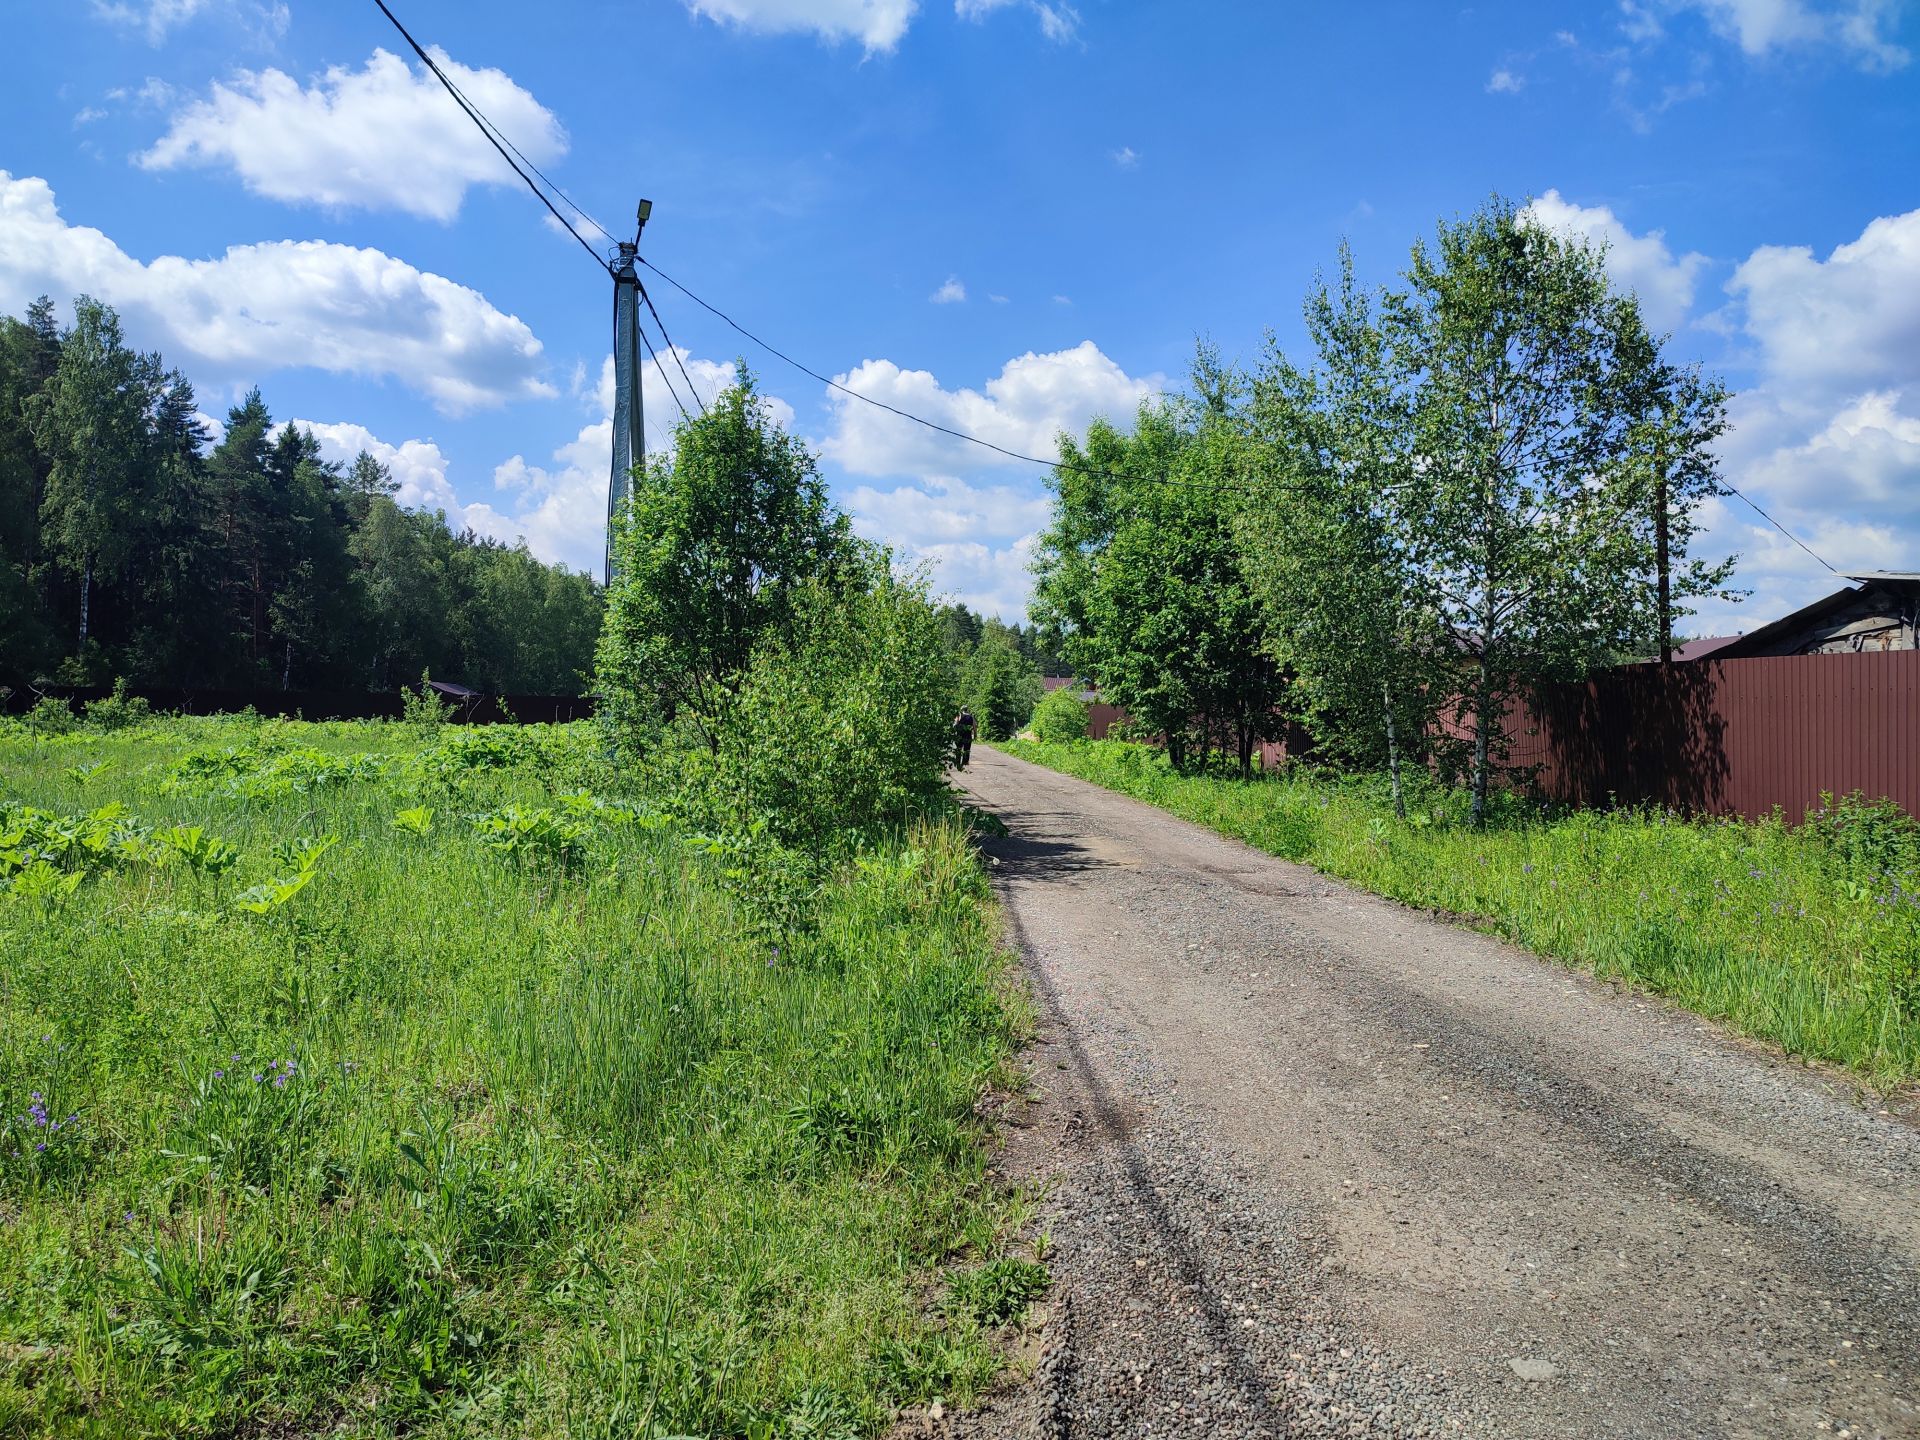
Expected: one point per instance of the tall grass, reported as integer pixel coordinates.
(1808, 936)
(507, 1112)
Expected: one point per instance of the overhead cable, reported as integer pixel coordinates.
(486, 129)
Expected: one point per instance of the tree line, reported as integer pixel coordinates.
(1479, 480)
(133, 547)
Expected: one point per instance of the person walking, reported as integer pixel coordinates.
(963, 737)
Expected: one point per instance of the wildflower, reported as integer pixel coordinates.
(219, 1074)
(41, 1146)
(1526, 869)
(258, 1077)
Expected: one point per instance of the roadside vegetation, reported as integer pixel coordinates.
(600, 1080)
(1807, 935)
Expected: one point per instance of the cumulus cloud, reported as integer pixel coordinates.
(1827, 437)
(265, 307)
(876, 24)
(1640, 263)
(952, 292)
(560, 509)
(1126, 157)
(1765, 27)
(1023, 408)
(1505, 82)
(1851, 320)
(419, 467)
(384, 137)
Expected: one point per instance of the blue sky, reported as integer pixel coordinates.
(1009, 215)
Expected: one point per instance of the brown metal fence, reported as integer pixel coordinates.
(1712, 737)
(1731, 737)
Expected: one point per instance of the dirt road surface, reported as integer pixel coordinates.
(1320, 1165)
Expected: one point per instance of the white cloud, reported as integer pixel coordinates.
(1126, 157)
(952, 292)
(1867, 456)
(1062, 300)
(1505, 82)
(1059, 21)
(1024, 408)
(87, 114)
(1827, 438)
(265, 307)
(418, 466)
(998, 299)
(560, 510)
(1764, 27)
(1851, 321)
(1640, 263)
(876, 24)
(943, 511)
(386, 136)
(157, 17)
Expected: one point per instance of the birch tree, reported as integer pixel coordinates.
(1543, 420)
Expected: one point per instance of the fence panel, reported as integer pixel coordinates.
(1731, 737)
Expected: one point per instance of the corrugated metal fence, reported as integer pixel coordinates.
(1714, 737)
(1732, 737)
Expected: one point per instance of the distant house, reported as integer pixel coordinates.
(1881, 611)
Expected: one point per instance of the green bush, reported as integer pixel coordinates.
(50, 716)
(841, 728)
(119, 711)
(1060, 717)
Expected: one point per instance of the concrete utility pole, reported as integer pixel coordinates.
(629, 417)
(1661, 559)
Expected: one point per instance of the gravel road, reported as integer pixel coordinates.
(1317, 1164)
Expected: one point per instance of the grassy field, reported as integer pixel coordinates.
(359, 1081)
(1806, 936)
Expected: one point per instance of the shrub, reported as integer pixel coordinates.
(50, 716)
(844, 727)
(1060, 717)
(119, 711)
(424, 709)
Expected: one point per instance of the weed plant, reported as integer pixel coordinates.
(370, 1079)
(1806, 935)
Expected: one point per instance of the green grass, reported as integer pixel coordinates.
(426, 1084)
(1806, 936)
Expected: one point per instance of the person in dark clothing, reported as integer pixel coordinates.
(963, 737)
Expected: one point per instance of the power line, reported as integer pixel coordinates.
(486, 129)
(832, 384)
(551, 184)
(1783, 530)
(673, 350)
(665, 378)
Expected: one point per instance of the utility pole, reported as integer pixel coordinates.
(629, 417)
(1660, 555)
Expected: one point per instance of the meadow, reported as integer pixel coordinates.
(1806, 935)
(377, 1079)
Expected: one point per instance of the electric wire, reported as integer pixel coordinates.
(833, 384)
(1783, 529)
(673, 350)
(473, 114)
(553, 185)
(665, 378)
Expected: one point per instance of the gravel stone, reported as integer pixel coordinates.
(1315, 1164)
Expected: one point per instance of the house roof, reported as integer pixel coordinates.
(1700, 649)
(1901, 582)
